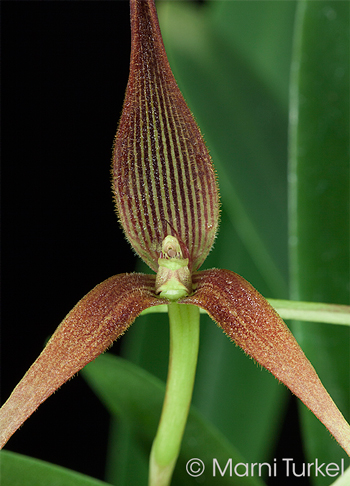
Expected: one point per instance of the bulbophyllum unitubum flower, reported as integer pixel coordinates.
(167, 201)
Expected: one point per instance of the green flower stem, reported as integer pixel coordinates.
(301, 311)
(184, 342)
(312, 311)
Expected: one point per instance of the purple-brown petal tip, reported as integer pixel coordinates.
(87, 331)
(249, 320)
(163, 179)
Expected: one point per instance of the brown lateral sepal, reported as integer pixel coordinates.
(89, 329)
(249, 320)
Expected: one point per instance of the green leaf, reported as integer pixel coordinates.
(319, 200)
(136, 396)
(18, 470)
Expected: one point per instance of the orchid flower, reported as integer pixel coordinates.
(167, 201)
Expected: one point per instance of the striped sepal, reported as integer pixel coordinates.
(163, 178)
